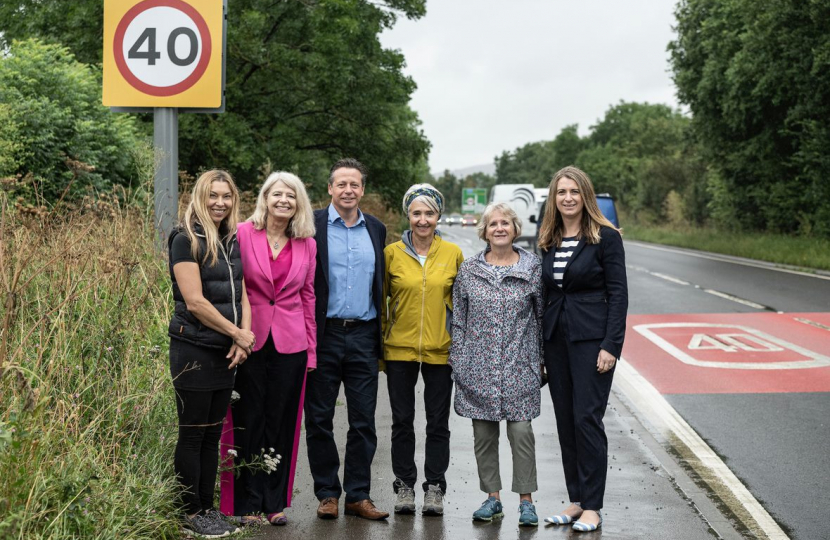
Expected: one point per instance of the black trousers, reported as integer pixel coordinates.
(348, 356)
(196, 460)
(401, 378)
(580, 396)
(269, 386)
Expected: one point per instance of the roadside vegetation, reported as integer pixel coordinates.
(800, 251)
(87, 424)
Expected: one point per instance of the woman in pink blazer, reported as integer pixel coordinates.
(278, 264)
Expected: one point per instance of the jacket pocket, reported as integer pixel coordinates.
(587, 317)
(392, 320)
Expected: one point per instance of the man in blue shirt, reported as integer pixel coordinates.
(348, 284)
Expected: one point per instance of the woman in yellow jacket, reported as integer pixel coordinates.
(420, 272)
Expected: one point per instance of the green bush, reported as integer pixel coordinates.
(54, 127)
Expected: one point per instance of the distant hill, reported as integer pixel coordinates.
(489, 168)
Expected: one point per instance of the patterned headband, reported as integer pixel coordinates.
(424, 192)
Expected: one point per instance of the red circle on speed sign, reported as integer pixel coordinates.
(203, 58)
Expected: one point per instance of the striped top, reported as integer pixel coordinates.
(562, 257)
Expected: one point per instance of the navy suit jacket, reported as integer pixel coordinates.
(377, 232)
(594, 293)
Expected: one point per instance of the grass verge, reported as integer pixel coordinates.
(805, 252)
(87, 423)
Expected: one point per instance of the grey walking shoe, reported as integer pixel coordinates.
(217, 517)
(433, 501)
(405, 501)
(203, 527)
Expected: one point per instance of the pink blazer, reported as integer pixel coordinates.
(288, 313)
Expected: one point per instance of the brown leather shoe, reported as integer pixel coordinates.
(328, 508)
(365, 509)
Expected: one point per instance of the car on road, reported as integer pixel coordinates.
(608, 208)
(469, 221)
(453, 219)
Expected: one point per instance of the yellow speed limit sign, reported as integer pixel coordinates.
(163, 53)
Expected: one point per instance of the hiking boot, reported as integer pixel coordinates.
(203, 527)
(433, 501)
(527, 515)
(405, 501)
(490, 509)
(217, 517)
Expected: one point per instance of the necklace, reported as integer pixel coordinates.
(275, 243)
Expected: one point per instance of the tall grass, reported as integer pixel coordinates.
(801, 251)
(87, 423)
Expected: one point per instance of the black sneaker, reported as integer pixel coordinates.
(203, 527)
(217, 516)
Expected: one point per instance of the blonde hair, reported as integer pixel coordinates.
(197, 212)
(552, 227)
(301, 224)
(507, 211)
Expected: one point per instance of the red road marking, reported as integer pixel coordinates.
(731, 353)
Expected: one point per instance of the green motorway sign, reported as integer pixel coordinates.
(473, 200)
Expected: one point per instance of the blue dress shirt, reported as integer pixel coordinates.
(351, 268)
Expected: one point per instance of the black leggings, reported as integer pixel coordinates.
(201, 413)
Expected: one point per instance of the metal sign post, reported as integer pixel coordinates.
(166, 182)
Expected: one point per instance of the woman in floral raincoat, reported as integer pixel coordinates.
(496, 356)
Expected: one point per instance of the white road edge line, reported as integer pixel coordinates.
(723, 259)
(654, 407)
(735, 299)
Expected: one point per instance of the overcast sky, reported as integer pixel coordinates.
(493, 75)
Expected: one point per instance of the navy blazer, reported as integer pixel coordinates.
(377, 232)
(594, 293)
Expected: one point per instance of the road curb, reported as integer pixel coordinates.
(660, 419)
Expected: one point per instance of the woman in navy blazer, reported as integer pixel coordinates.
(278, 264)
(586, 300)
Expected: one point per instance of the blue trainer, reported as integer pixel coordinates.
(527, 515)
(490, 509)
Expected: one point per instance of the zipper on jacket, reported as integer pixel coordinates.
(423, 306)
(233, 287)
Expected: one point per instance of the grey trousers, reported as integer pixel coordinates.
(523, 446)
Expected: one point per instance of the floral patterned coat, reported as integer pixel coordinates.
(496, 351)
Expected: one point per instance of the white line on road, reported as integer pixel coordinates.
(812, 323)
(669, 278)
(683, 282)
(654, 408)
(749, 303)
(767, 266)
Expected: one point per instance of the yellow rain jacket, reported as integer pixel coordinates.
(417, 314)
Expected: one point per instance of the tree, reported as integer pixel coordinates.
(533, 163)
(307, 82)
(636, 153)
(51, 116)
(754, 74)
(450, 186)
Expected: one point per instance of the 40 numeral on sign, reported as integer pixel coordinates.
(151, 54)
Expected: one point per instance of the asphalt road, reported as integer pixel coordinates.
(775, 442)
